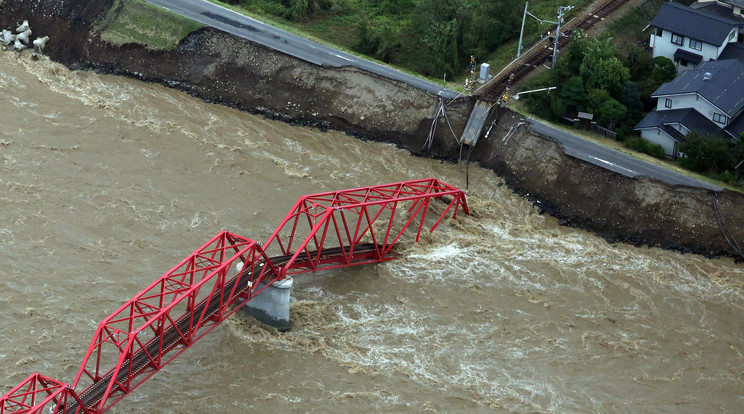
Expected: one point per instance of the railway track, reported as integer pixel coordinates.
(170, 339)
(543, 51)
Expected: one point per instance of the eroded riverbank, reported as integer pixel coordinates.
(107, 182)
(221, 68)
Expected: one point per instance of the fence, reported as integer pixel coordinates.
(608, 133)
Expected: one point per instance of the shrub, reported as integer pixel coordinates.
(725, 177)
(641, 145)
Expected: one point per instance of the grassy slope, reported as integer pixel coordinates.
(533, 29)
(134, 21)
(624, 31)
(316, 27)
(339, 29)
(618, 146)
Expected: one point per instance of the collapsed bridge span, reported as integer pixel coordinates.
(322, 231)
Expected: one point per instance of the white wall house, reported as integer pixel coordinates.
(708, 100)
(692, 35)
(695, 101)
(736, 6)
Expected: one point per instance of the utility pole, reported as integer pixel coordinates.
(521, 32)
(558, 33)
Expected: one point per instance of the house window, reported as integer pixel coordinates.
(696, 44)
(677, 39)
(668, 103)
(659, 32)
(721, 119)
(732, 34)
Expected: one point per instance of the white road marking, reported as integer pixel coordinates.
(611, 164)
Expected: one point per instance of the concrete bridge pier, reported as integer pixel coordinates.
(272, 305)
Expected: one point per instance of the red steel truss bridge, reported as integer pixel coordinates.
(322, 231)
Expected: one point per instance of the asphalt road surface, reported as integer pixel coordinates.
(229, 21)
(615, 160)
(242, 26)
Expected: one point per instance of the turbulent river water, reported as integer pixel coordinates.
(107, 182)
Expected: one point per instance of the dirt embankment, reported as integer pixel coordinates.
(222, 68)
(640, 210)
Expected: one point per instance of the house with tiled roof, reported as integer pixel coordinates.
(707, 100)
(725, 7)
(690, 35)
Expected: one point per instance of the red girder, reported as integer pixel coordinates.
(330, 230)
(342, 219)
(38, 394)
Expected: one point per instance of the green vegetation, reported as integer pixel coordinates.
(434, 38)
(706, 154)
(614, 79)
(134, 21)
(593, 76)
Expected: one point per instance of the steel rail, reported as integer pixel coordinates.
(170, 337)
(346, 216)
(536, 56)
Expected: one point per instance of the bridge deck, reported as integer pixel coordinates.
(475, 123)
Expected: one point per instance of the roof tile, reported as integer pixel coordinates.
(694, 23)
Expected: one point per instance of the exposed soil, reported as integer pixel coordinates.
(223, 68)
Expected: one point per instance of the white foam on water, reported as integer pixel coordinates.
(504, 309)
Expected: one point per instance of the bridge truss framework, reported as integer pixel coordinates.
(322, 231)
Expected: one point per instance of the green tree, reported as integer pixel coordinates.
(573, 93)
(639, 144)
(437, 30)
(663, 71)
(574, 54)
(611, 112)
(639, 63)
(594, 51)
(448, 32)
(705, 153)
(379, 37)
(609, 74)
(296, 10)
(631, 97)
(440, 42)
(597, 97)
(487, 25)
(557, 107)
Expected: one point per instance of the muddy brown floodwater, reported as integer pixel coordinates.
(107, 182)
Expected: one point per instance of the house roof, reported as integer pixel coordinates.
(738, 3)
(732, 51)
(688, 56)
(697, 24)
(689, 117)
(723, 89)
(714, 7)
(678, 136)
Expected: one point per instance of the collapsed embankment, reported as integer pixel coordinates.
(640, 210)
(223, 68)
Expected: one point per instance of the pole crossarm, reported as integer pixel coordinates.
(142, 336)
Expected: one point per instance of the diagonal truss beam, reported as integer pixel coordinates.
(38, 394)
(322, 231)
(360, 223)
